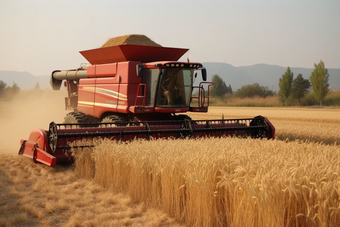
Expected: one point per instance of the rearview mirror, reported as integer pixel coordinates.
(204, 74)
(140, 70)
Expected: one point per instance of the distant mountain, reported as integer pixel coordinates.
(24, 80)
(265, 75)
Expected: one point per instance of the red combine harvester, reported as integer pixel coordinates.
(129, 92)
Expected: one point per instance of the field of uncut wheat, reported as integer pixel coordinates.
(223, 182)
(290, 181)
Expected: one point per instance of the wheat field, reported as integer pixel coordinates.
(290, 181)
(224, 182)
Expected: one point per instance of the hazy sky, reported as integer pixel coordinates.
(39, 36)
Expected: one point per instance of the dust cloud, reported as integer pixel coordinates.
(27, 111)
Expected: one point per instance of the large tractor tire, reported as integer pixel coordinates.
(182, 117)
(75, 117)
(114, 119)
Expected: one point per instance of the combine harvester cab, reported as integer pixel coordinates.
(133, 92)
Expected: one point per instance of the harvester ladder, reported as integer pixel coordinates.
(140, 99)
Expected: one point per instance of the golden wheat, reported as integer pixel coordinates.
(231, 181)
(228, 181)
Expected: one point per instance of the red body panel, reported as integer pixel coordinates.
(132, 53)
(37, 148)
(199, 109)
(271, 133)
(138, 109)
(107, 70)
(86, 96)
(171, 110)
(110, 88)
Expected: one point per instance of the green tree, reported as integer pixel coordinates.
(10, 91)
(15, 88)
(319, 80)
(3, 86)
(230, 90)
(254, 90)
(285, 85)
(300, 87)
(37, 86)
(219, 88)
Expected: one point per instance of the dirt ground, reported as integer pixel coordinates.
(36, 195)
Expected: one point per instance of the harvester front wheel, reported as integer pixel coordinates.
(183, 117)
(114, 119)
(75, 117)
(262, 132)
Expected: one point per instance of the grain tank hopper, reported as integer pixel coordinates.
(133, 92)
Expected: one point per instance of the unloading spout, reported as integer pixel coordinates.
(58, 76)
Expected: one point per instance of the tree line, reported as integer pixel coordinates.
(299, 86)
(7, 92)
(288, 86)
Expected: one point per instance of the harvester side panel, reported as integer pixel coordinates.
(110, 97)
(113, 90)
(128, 72)
(107, 70)
(86, 96)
